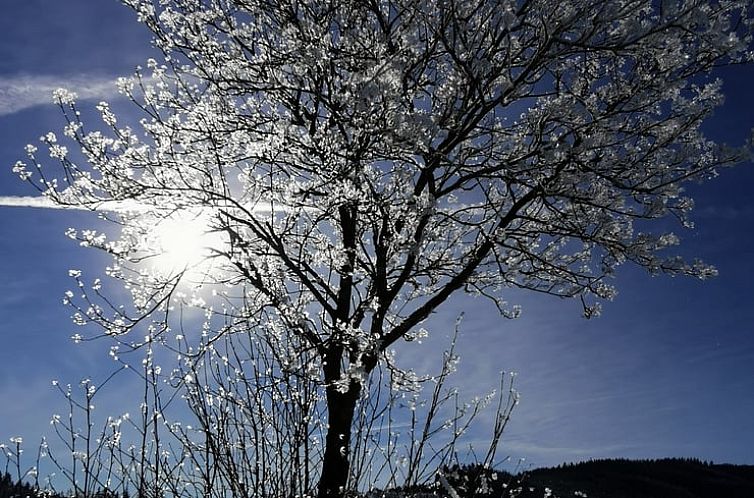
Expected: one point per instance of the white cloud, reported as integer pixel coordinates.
(21, 92)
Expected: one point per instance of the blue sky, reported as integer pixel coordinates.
(668, 370)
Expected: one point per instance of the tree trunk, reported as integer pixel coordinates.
(336, 461)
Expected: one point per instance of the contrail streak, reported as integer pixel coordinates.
(22, 92)
(32, 202)
(123, 206)
(45, 203)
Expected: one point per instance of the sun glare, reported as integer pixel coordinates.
(184, 243)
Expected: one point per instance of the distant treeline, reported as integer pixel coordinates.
(614, 478)
(13, 489)
(666, 478)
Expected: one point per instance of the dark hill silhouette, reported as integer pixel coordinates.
(667, 478)
(619, 478)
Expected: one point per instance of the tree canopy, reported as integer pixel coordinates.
(354, 164)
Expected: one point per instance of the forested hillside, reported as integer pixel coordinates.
(619, 478)
(668, 478)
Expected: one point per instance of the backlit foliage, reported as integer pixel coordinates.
(358, 162)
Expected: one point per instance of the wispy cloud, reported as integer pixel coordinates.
(543, 454)
(21, 92)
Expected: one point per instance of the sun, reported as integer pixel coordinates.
(184, 243)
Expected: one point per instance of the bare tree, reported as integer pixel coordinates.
(354, 164)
